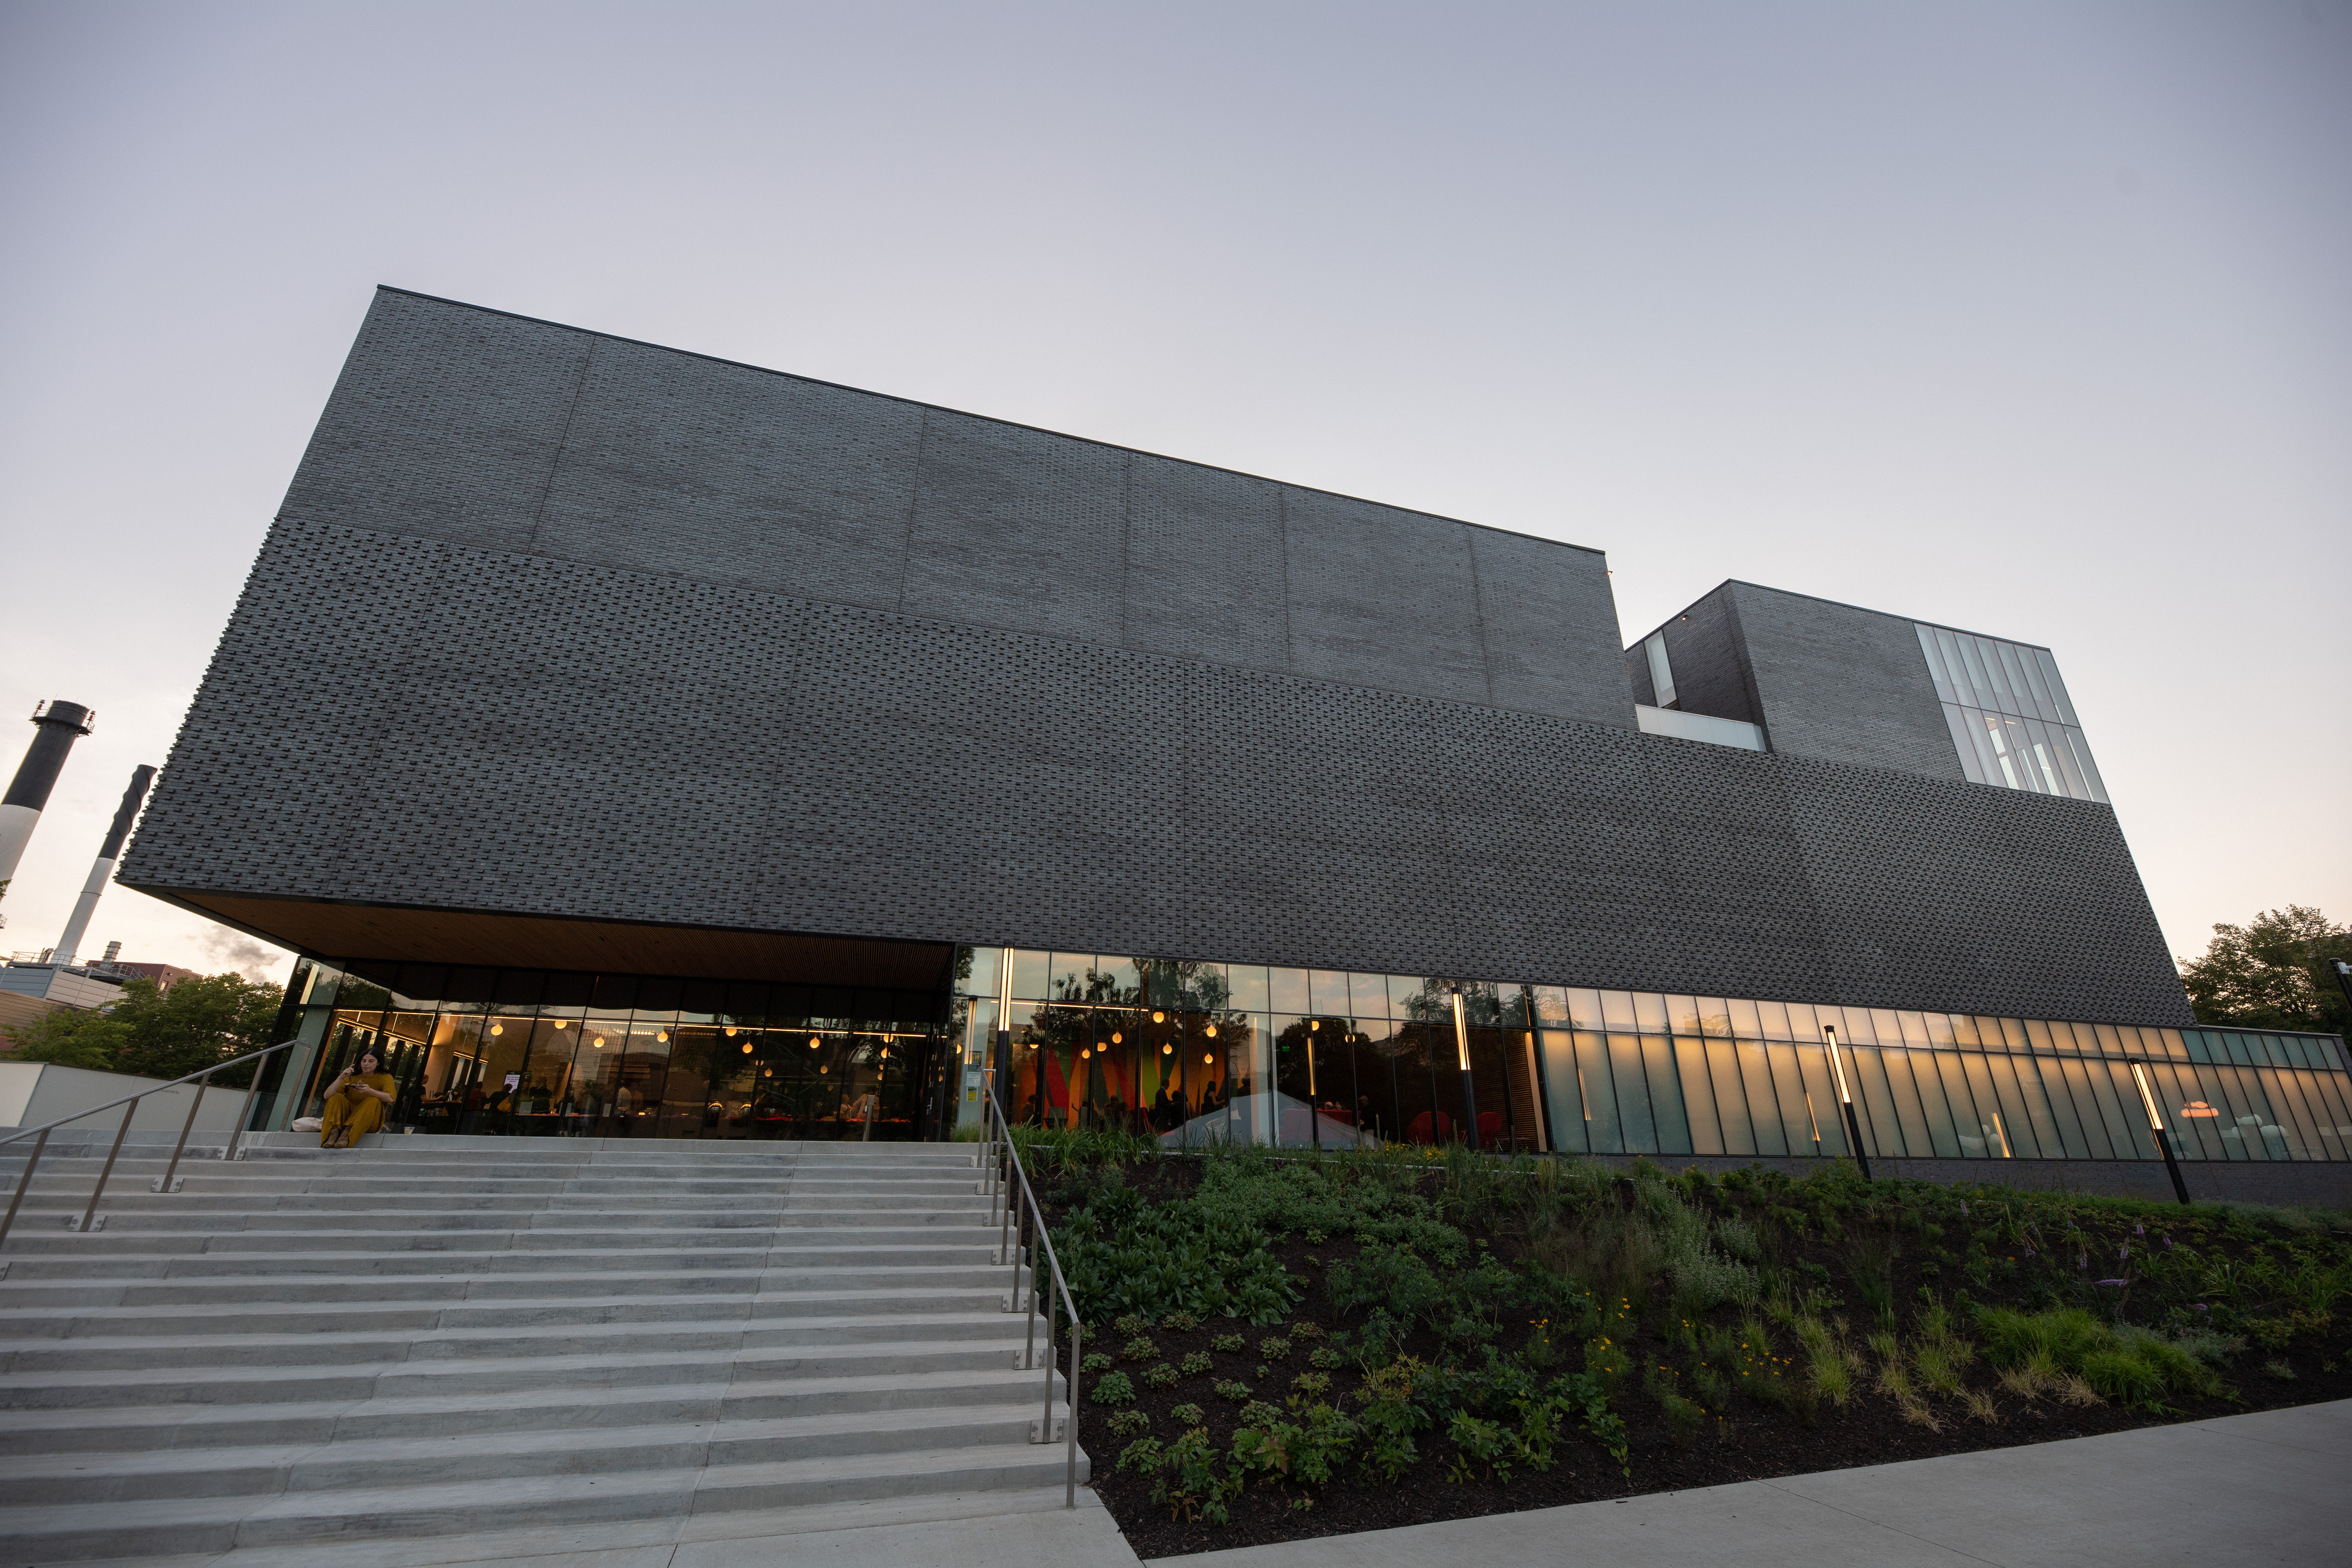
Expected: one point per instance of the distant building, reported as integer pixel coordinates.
(164, 976)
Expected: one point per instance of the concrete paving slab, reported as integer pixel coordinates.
(2257, 1489)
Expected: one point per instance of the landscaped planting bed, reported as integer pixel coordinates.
(1281, 1345)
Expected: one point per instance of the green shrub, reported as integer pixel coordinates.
(1162, 1377)
(1195, 1362)
(1273, 1347)
(1389, 1419)
(1128, 1423)
(1096, 1362)
(1311, 1384)
(1608, 1364)
(1387, 1278)
(1188, 1481)
(1328, 1359)
(1188, 1415)
(1483, 1445)
(1139, 1349)
(1142, 1456)
(2134, 1366)
(1237, 1391)
(1683, 1419)
(2119, 1374)
(1307, 1451)
(1129, 1325)
(1114, 1389)
(1225, 1344)
(1180, 1322)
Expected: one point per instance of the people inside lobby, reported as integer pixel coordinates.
(355, 1101)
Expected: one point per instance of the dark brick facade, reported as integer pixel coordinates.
(558, 625)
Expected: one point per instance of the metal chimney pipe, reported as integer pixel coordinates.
(56, 726)
(103, 871)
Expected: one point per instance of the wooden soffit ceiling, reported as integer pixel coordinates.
(541, 941)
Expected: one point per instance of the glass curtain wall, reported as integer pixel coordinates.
(1196, 1051)
(2011, 720)
(549, 1054)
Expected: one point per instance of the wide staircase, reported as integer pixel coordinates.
(446, 1337)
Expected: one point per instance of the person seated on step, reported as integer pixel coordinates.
(355, 1102)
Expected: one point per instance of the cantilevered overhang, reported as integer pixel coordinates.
(329, 930)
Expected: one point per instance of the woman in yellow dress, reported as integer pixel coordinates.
(356, 1101)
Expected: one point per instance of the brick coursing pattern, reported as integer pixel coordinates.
(417, 722)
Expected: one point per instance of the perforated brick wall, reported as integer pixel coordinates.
(405, 721)
(464, 424)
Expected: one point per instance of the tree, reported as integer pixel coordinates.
(160, 1034)
(2272, 973)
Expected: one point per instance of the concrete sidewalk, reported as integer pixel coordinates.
(2244, 1489)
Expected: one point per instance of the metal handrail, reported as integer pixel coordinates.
(129, 1103)
(993, 1165)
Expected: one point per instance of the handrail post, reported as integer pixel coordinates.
(24, 1182)
(185, 1128)
(236, 1129)
(107, 1170)
(1020, 1229)
(1028, 1308)
(1005, 1226)
(1045, 1431)
(1070, 1485)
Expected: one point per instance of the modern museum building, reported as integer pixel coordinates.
(633, 743)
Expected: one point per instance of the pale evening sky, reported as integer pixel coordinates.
(2030, 319)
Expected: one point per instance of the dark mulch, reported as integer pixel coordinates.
(1757, 1441)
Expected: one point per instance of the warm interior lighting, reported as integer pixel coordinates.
(730, 1032)
(600, 1042)
(747, 1046)
(1461, 1033)
(1167, 1050)
(821, 1068)
(661, 1037)
(811, 1042)
(1208, 1060)
(1837, 1064)
(1159, 1018)
(562, 1023)
(1313, 1025)
(1116, 1036)
(1213, 1031)
(1084, 1053)
(498, 1028)
(767, 1072)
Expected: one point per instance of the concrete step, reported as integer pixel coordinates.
(166, 1291)
(78, 1531)
(145, 1427)
(263, 1470)
(271, 1315)
(427, 1338)
(335, 1344)
(369, 1376)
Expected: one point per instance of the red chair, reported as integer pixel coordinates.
(1417, 1131)
(1490, 1129)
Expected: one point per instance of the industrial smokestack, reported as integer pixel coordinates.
(103, 871)
(56, 726)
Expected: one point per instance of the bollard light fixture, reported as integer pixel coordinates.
(1845, 1102)
(2155, 1125)
(1461, 1057)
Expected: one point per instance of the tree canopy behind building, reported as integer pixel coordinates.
(158, 1033)
(2272, 973)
